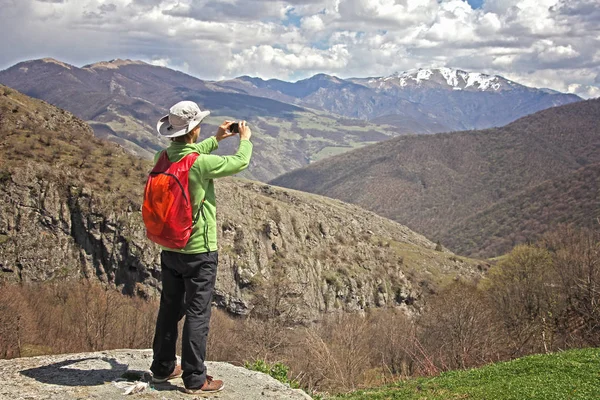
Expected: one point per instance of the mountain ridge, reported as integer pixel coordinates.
(451, 75)
(457, 79)
(123, 104)
(441, 99)
(295, 123)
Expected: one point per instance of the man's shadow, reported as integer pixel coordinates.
(60, 374)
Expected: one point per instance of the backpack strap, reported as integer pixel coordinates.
(163, 163)
(200, 211)
(189, 159)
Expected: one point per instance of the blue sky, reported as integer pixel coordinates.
(291, 18)
(475, 3)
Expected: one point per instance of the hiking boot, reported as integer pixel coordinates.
(177, 372)
(210, 386)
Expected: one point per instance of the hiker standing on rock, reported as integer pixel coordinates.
(179, 212)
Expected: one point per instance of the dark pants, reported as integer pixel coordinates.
(192, 276)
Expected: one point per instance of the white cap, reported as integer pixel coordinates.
(183, 117)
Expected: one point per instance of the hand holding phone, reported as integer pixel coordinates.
(244, 130)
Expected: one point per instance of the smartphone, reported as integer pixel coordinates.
(235, 127)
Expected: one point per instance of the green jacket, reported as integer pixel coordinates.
(201, 187)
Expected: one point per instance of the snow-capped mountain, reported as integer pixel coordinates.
(433, 99)
(424, 100)
(454, 79)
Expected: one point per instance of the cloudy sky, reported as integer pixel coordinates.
(542, 43)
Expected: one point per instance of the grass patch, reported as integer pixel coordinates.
(34, 350)
(330, 151)
(572, 374)
(5, 176)
(333, 279)
(277, 370)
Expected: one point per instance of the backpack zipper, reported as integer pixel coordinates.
(176, 180)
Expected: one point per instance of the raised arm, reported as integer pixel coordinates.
(218, 167)
(207, 146)
(214, 166)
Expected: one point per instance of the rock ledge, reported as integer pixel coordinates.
(90, 376)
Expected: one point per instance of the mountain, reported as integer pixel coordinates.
(294, 123)
(415, 101)
(69, 208)
(573, 198)
(123, 99)
(435, 183)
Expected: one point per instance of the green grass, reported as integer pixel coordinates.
(33, 350)
(330, 151)
(277, 370)
(572, 374)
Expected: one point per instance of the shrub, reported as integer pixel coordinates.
(576, 259)
(276, 370)
(67, 317)
(457, 330)
(5, 176)
(522, 291)
(338, 354)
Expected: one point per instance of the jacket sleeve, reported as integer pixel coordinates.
(213, 166)
(207, 146)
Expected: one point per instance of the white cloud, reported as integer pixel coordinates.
(553, 53)
(586, 91)
(161, 62)
(549, 43)
(268, 62)
(314, 23)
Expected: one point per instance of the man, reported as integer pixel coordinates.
(192, 270)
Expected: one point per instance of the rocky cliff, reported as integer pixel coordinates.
(69, 207)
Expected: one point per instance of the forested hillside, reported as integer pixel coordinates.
(433, 183)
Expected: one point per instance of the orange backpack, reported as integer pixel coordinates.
(167, 208)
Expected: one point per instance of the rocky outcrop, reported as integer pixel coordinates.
(55, 230)
(91, 376)
(281, 252)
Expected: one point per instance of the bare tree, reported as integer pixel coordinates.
(522, 291)
(457, 329)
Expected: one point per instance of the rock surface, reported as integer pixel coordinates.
(90, 376)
